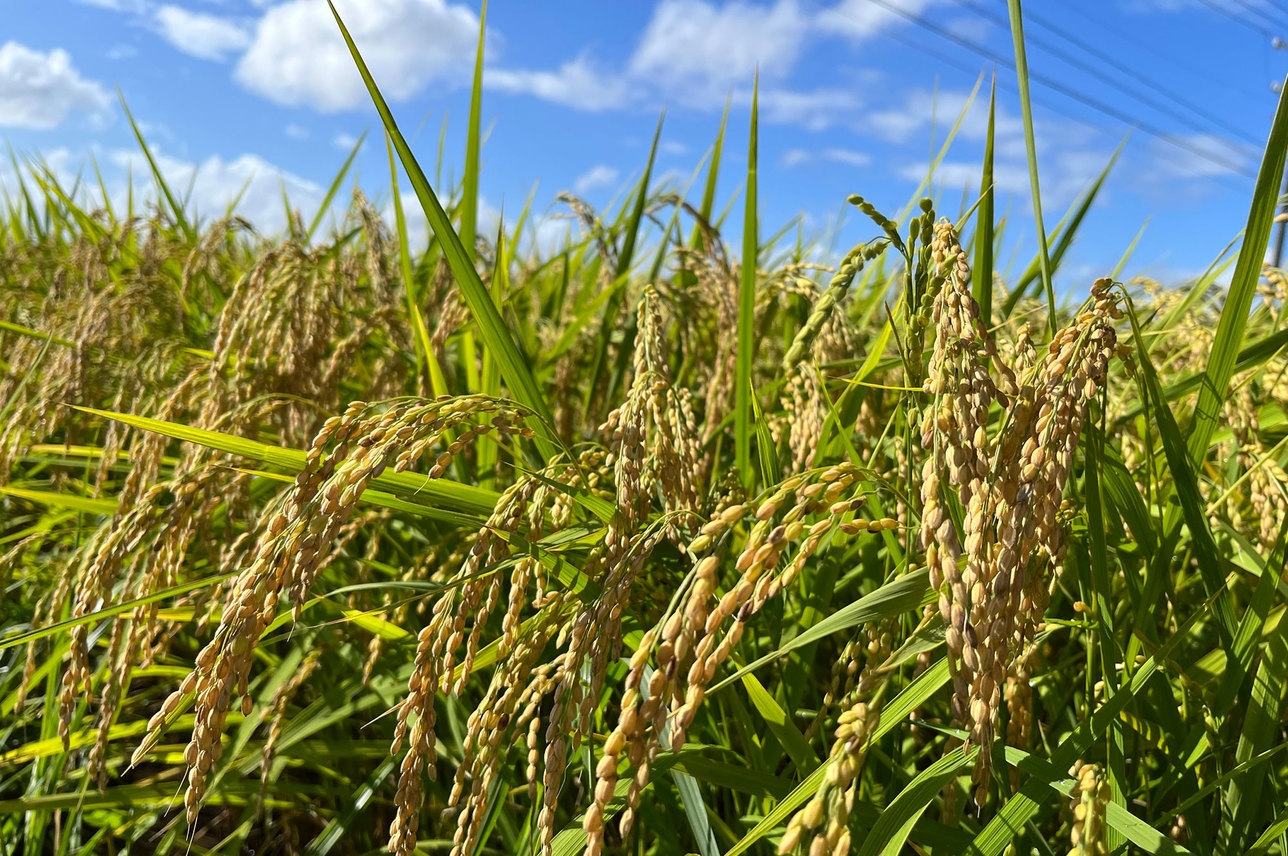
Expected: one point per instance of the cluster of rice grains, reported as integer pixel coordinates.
(1091, 794)
(993, 577)
(297, 538)
(688, 645)
(826, 817)
(284, 342)
(652, 448)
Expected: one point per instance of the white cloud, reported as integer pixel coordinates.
(298, 57)
(796, 157)
(545, 234)
(345, 141)
(957, 177)
(971, 29)
(215, 183)
(673, 179)
(921, 108)
(582, 86)
(38, 90)
(695, 53)
(58, 161)
(211, 186)
(1146, 6)
(576, 84)
(201, 35)
(595, 177)
(1063, 175)
(814, 110)
(690, 41)
(698, 53)
(136, 7)
(414, 217)
(1199, 158)
(672, 147)
(152, 130)
(122, 52)
(1072, 154)
(297, 132)
(863, 19)
(849, 157)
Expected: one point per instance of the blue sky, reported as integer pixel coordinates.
(855, 97)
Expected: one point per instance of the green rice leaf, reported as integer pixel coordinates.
(102, 507)
(744, 390)
(982, 270)
(902, 594)
(1243, 286)
(780, 724)
(457, 497)
(496, 336)
(1030, 148)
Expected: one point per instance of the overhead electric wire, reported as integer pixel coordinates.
(1002, 83)
(1206, 72)
(1108, 60)
(1221, 10)
(1068, 92)
(1260, 13)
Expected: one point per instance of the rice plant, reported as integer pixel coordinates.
(318, 544)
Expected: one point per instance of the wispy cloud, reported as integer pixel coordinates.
(697, 54)
(849, 157)
(863, 19)
(796, 157)
(345, 141)
(134, 7)
(814, 110)
(201, 35)
(596, 177)
(1199, 156)
(577, 83)
(690, 42)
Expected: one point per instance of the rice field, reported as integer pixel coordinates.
(647, 544)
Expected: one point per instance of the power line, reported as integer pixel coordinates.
(1205, 73)
(1110, 61)
(1221, 10)
(1258, 13)
(1001, 83)
(1055, 85)
(957, 64)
